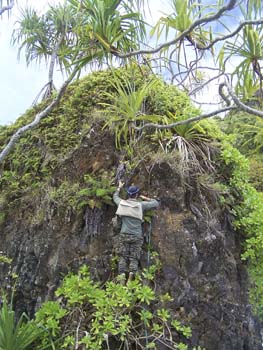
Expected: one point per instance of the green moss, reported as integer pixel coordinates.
(166, 98)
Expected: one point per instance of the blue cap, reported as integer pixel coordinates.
(133, 190)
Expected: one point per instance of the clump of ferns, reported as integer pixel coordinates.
(191, 141)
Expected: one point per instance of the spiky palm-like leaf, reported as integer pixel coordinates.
(173, 25)
(39, 34)
(181, 18)
(106, 27)
(190, 140)
(126, 108)
(16, 336)
(248, 47)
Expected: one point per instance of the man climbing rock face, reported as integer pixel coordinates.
(131, 235)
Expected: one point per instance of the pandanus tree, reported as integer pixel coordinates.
(49, 37)
(77, 33)
(248, 49)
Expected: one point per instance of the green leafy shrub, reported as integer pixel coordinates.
(242, 127)
(98, 190)
(110, 316)
(256, 171)
(164, 99)
(248, 212)
(247, 134)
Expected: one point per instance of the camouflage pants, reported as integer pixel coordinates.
(129, 251)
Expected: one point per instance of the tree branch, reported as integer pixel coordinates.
(230, 35)
(238, 106)
(53, 58)
(19, 133)
(241, 105)
(204, 20)
(201, 86)
(7, 8)
(50, 85)
(186, 121)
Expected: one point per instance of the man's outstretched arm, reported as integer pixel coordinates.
(116, 195)
(149, 203)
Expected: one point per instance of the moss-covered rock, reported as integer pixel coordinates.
(56, 213)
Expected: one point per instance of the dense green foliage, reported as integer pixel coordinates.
(245, 133)
(109, 316)
(91, 315)
(247, 208)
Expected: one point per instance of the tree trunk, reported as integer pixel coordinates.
(50, 84)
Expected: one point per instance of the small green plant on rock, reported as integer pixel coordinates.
(93, 191)
(64, 195)
(98, 190)
(5, 259)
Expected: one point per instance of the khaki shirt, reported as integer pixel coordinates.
(132, 225)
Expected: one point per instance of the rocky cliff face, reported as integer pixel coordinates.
(200, 253)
